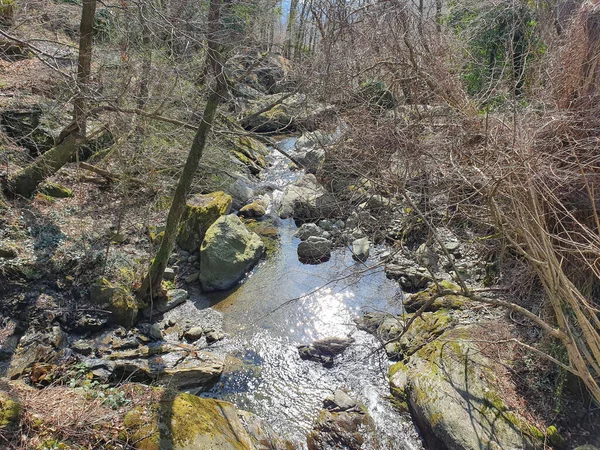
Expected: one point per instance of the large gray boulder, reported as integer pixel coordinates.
(305, 199)
(229, 250)
(456, 399)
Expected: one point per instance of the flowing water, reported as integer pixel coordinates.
(283, 303)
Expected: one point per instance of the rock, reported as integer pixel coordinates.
(312, 159)
(427, 257)
(195, 276)
(193, 334)
(314, 249)
(55, 190)
(257, 208)
(7, 251)
(169, 274)
(342, 430)
(361, 249)
(586, 447)
(452, 246)
(83, 347)
(214, 336)
(201, 211)
(414, 302)
(377, 202)
(411, 277)
(339, 401)
(174, 297)
(328, 225)
(310, 140)
(10, 411)
(452, 392)
(308, 230)
(325, 350)
(229, 250)
(122, 305)
(305, 199)
(27, 129)
(187, 422)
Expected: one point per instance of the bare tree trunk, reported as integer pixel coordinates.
(26, 181)
(290, 28)
(152, 282)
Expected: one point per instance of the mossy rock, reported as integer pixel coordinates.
(122, 305)
(425, 329)
(268, 232)
(187, 422)
(414, 302)
(201, 211)
(56, 190)
(10, 411)
(454, 397)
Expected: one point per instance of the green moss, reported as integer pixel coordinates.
(122, 305)
(200, 213)
(416, 301)
(554, 437)
(267, 231)
(10, 411)
(56, 190)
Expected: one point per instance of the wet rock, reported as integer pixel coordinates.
(314, 249)
(152, 330)
(229, 250)
(452, 392)
(83, 347)
(257, 208)
(361, 249)
(174, 298)
(308, 230)
(305, 199)
(342, 425)
(122, 305)
(187, 422)
(325, 350)
(201, 211)
(193, 334)
(339, 401)
(214, 336)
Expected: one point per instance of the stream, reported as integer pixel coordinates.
(283, 303)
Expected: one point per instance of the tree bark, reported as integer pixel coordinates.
(290, 28)
(84, 67)
(151, 285)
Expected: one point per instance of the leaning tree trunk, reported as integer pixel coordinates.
(152, 282)
(26, 181)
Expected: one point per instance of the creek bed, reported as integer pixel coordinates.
(284, 303)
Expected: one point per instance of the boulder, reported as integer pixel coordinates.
(411, 276)
(121, 304)
(453, 394)
(174, 297)
(325, 350)
(186, 422)
(201, 211)
(343, 424)
(305, 199)
(308, 230)
(229, 250)
(361, 249)
(414, 302)
(257, 208)
(314, 249)
(312, 159)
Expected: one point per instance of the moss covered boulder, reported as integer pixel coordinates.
(10, 411)
(414, 302)
(187, 422)
(455, 398)
(121, 304)
(229, 250)
(200, 213)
